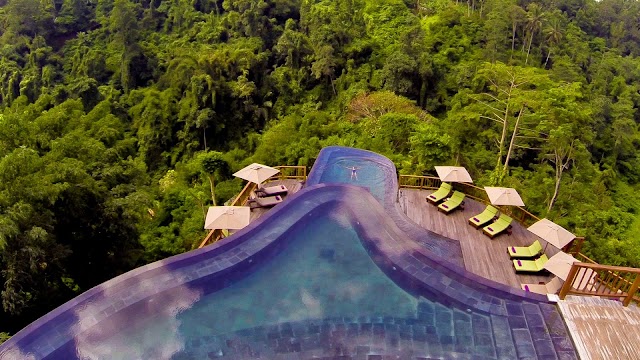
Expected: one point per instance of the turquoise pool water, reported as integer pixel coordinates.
(367, 174)
(324, 272)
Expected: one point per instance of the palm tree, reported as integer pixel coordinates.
(517, 16)
(553, 34)
(535, 17)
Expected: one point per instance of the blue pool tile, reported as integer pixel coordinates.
(517, 322)
(514, 309)
(535, 320)
(567, 355)
(544, 348)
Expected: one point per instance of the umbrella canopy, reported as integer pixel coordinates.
(560, 264)
(256, 173)
(227, 217)
(503, 196)
(453, 174)
(552, 233)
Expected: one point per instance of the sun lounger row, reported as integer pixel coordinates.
(485, 219)
(497, 227)
(263, 202)
(531, 266)
(272, 190)
(440, 194)
(454, 202)
(494, 228)
(530, 251)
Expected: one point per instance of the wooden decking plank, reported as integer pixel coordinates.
(292, 185)
(482, 256)
(602, 329)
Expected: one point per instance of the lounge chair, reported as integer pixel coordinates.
(455, 201)
(525, 251)
(268, 201)
(531, 266)
(272, 190)
(552, 287)
(439, 194)
(503, 223)
(484, 217)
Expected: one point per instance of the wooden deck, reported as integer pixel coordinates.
(602, 329)
(482, 255)
(293, 186)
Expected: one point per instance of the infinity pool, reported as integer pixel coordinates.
(331, 272)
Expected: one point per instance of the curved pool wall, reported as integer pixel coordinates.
(333, 166)
(498, 321)
(441, 254)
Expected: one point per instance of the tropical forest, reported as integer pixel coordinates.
(121, 121)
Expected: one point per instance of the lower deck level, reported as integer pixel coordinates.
(482, 256)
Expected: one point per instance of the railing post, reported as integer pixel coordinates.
(567, 284)
(632, 291)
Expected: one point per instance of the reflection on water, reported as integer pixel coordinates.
(16, 354)
(131, 333)
(324, 272)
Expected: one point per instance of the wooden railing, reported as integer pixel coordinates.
(291, 173)
(615, 282)
(286, 173)
(477, 193)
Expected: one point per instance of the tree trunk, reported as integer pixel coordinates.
(204, 137)
(546, 61)
(513, 140)
(213, 197)
(556, 190)
(561, 163)
(513, 36)
(504, 136)
(529, 49)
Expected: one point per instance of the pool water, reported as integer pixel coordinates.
(323, 272)
(368, 174)
(323, 279)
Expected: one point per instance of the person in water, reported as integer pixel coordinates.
(354, 174)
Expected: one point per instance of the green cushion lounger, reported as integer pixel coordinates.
(531, 266)
(525, 251)
(439, 194)
(455, 201)
(497, 227)
(484, 217)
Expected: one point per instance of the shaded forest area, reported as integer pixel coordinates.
(116, 117)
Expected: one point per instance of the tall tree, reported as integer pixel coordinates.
(535, 18)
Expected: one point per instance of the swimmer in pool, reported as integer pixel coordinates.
(354, 174)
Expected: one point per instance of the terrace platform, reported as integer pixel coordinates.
(601, 328)
(293, 186)
(482, 256)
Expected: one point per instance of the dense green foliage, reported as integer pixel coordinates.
(122, 120)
